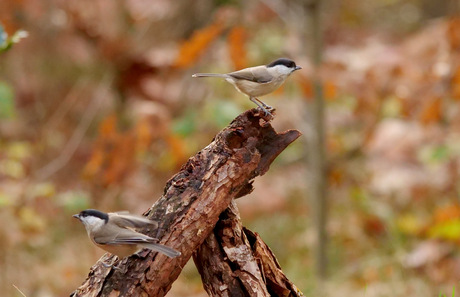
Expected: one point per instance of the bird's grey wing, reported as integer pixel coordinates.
(124, 236)
(257, 74)
(126, 220)
(130, 237)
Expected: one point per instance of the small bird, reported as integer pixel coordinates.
(115, 233)
(259, 80)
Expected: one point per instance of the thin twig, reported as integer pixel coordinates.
(19, 290)
(65, 105)
(72, 145)
(286, 12)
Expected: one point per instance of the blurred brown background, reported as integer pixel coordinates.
(98, 109)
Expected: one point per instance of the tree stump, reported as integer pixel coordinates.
(234, 261)
(193, 201)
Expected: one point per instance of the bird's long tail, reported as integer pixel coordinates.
(170, 252)
(209, 75)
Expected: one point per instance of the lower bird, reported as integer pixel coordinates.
(116, 233)
(259, 80)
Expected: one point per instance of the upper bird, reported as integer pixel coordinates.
(115, 233)
(259, 80)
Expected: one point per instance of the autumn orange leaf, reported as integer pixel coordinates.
(120, 159)
(373, 225)
(176, 146)
(431, 111)
(453, 33)
(191, 49)
(108, 126)
(143, 135)
(305, 86)
(447, 213)
(236, 43)
(114, 152)
(8, 15)
(405, 108)
(446, 223)
(107, 130)
(335, 177)
(330, 90)
(455, 92)
(94, 164)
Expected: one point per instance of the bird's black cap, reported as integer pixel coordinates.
(283, 61)
(94, 213)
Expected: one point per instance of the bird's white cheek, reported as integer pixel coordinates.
(92, 224)
(282, 70)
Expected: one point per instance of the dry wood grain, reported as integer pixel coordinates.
(190, 207)
(234, 261)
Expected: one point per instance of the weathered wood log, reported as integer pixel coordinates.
(233, 261)
(190, 207)
(225, 260)
(277, 282)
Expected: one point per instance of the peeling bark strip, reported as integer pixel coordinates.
(190, 207)
(234, 261)
(277, 283)
(225, 260)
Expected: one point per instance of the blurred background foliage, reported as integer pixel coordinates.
(98, 109)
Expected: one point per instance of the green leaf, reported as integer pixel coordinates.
(31, 220)
(12, 168)
(3, 35)
(449, 230)
(186, 125)
(74, 200)
(391, 107)
(44, 189)
(18, 150)
(6, 43)
(4, 200)
(441, 153)
(7, 109)
(223, 111)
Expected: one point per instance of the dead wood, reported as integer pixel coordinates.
(190, 207)
(233, 261)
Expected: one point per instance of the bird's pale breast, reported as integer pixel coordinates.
(254, 89)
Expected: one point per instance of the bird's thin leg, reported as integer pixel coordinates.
(263, 104)
(254, 99)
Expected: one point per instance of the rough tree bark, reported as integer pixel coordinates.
(190, 207)
(233, 261)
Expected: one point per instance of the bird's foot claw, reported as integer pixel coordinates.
(262, 103)
(267, 111)
(264, 107)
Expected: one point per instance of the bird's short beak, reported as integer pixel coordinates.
(297, 68)
(77, 216)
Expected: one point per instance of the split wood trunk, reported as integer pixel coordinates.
(198, 217)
